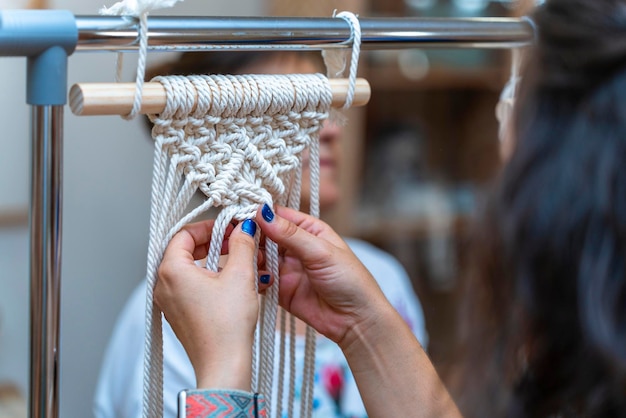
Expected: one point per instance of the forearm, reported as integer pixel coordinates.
(223, 382)
(229, 371)
(394, 375)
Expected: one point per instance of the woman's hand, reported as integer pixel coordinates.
(212, 313)
(322, 282)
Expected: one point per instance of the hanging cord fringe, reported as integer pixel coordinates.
(153, 356)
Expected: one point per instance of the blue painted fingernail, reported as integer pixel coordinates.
(265, 279)
(249, 227)
(267, 213)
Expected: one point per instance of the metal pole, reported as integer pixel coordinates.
(107, 33)
(46, 38)
(45, 248)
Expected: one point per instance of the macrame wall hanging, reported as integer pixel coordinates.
(238, 141)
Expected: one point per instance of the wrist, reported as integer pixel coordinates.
(368, 333)
(231, 371)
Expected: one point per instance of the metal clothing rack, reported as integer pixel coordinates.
(48, 37)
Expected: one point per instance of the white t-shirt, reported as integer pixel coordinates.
(119, 393)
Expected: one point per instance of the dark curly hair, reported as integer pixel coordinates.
(545, 321)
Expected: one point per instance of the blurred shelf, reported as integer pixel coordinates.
(390, 78)
(394, 227)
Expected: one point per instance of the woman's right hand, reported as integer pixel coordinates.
(322, 282)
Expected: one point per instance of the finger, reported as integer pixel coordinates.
(178, 255)
(261, 259)
(229, 230)
(311, 224)
(265, 280)
(296, 232)
(242, 248)
(182, 246)
(200, 233)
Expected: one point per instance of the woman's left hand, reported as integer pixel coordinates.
(213, 314)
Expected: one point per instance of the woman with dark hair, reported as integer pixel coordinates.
(548, 335)
(546, 317)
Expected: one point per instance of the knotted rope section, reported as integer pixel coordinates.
(239, 140)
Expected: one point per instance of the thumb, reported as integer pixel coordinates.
(242, 248)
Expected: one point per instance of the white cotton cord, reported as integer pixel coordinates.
(271, 300)
(306, 408)
(141, 66)
(293, 201)
(314, 169)
(281, 364)
(308, 381)
(166, 178)
(253, 378)
(176, 198)
(355, 38)
(506, 104)
(262, 372)
(310, 339)
(268, 324)
(260, 330)
(292, 365)
(153, 355)
(217, 237)
(152, 358)
(139, 9)
(335, 61)
(119, 66)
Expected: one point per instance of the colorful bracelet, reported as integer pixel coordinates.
(203, 403)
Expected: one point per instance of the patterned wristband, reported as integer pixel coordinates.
(203, 403)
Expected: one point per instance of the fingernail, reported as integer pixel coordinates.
(249, 227)
(267, 213)
(265, 279)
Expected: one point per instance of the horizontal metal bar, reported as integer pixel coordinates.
(107, 33)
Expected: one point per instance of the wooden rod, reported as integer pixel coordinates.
(87, 99)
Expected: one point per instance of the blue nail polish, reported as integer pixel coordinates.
(265, 279)
(267, 213)
(249, 227)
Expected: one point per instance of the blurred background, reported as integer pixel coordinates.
(416, 162)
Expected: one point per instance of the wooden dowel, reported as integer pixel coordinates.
(88, 99)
